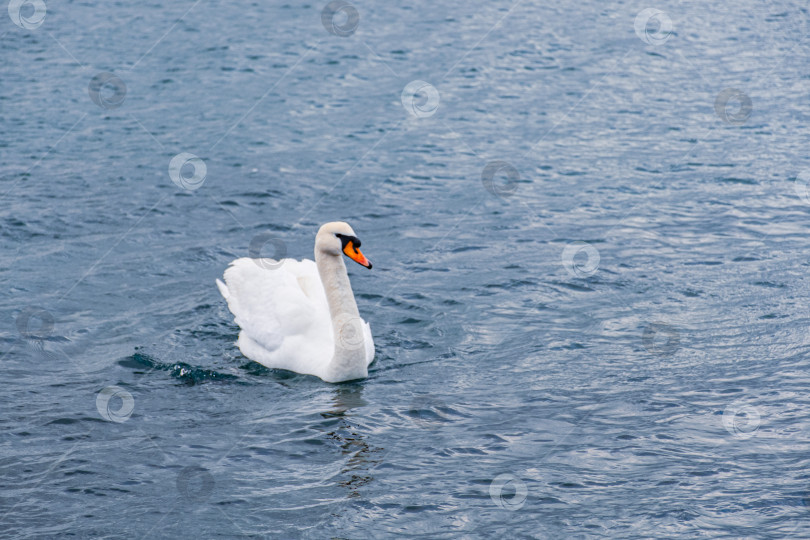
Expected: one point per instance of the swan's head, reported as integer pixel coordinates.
(336, 237)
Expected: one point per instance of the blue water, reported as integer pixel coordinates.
(602, 334)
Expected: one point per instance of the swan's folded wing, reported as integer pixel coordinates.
(267, 300)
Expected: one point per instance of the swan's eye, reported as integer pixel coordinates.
(345, 239)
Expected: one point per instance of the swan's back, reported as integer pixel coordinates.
(282, 310)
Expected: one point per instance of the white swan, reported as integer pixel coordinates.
(301, 315)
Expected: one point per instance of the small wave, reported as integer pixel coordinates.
(179, 370)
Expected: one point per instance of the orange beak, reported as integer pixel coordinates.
(354, 254)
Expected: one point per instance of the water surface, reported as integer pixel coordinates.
(609, 339)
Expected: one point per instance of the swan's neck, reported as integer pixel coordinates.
(349, 359)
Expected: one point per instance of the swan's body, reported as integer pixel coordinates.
(301, 315)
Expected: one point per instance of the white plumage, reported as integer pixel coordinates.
(285, 316)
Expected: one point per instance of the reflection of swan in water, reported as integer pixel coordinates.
(346, 398)
(351, 442)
